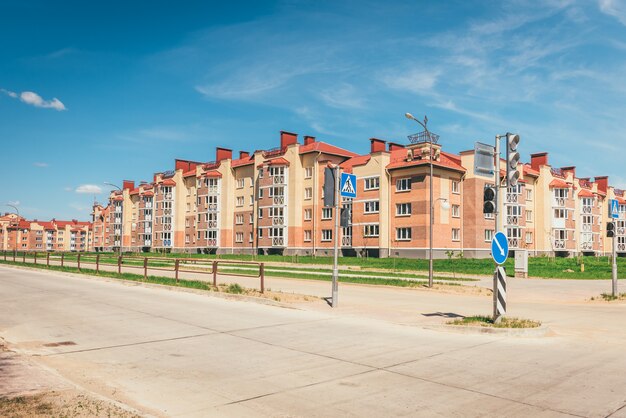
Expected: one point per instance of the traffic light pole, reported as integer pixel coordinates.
(614, 267)
(335, 290)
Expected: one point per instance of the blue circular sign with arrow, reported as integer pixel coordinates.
(499, 248)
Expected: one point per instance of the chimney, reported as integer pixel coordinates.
(539, 159)
(603, 183)
(128, 185)
(222, 154)
(571, 169)
(244, 154)
(393, 146)
(377, 145)
(309, 140)
(287, 138)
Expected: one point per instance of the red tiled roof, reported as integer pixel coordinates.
(168, 182)
(326, 149)
(47, 225)
(559, 184)
(529, 171)
(621, 201)
(189, 173)
(278, 161)
(148, 194)
(212, 173)
(242, 161)
(585, 193)
(446, 160)
(118, 198)
(134, 191)
(359, 160)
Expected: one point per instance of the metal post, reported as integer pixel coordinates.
(62, 257)
(78, 261)
(14, 254)
(335, 289)
(97, 263)
(432, 216)
(24, 257)
(35, 257)
(496, 225)
(47, 259)
(614, 267)
(176, 266)
(119, 264)
(214, 273)
(145, 268)
(262, 274)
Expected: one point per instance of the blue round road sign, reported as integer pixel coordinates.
(499, 248)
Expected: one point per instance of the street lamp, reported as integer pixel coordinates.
(121, 216)
(432, 212)
(17, 225)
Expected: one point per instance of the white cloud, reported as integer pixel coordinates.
(14, 202)
(40, 164)
(615, 8)
(414, 81)
(36, 100)
(343, 96)
(89, 189)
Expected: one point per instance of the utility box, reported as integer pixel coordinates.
(521, 264)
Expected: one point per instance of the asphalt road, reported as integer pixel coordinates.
(173, 353)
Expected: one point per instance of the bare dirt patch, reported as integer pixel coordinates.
(29, 390)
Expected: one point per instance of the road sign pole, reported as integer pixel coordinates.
(614, 267)
(496, 219)
(335, 289)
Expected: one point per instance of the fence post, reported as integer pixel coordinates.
(262, 274)
(14, 254)
(62, 258)
(24, 257)
(145, 268)
(5, 255)
(48, 259)
(176, 266)
(97, 263)
(119, 264)
(35, 257)
(78, 261)
(215, 274)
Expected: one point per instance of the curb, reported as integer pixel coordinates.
(541, 331)
(228, 296)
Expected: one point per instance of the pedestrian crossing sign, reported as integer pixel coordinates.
(614, 210)
(348, 185)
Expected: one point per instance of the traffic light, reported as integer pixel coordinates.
(610, 229)
(489, 199)
(512, 159)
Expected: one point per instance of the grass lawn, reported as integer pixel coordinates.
(486, 321)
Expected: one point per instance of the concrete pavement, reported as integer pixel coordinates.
(182, 354)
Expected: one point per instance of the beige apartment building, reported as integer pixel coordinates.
(16, 233)
(271, 202)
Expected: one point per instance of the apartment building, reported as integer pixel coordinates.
(23, 235)
(271, 202)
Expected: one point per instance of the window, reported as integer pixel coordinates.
(239, 200)
(241, 183)
(529, 215)
(456, 211)
(260, 173)
(308, 172)
(308, 193)
(456, 234)
(187, 239)
(455, 187)
(307, 214)
(588, 219)
(371, 183)
(403, 185)
(561, 193)
(489, 216)
(372, 206)
(251, 237)
(327, 213)
(403, 234)
(260, 213)
(560, 234)
(251, 218)
(560, 213)
(529, 237)
(327, 235)
(371, 230)
(307, 235)
(529, 194)
(251, 200)
(403, 209)
(238, 219)
(239, 237)
(260, 193)
(488, 235)
(260, 233)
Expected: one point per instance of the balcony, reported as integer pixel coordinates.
(280, 179)
(279, 200)
(558, 202)
(512, 220)
(278, 242)
(346, 241)
(511, 198)
(559, 244)
(513, 242)
(586, 209)
(278, 220)
(586, 227)
(212, 207)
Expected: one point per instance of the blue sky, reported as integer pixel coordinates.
(104, 91)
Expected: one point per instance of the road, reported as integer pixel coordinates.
(171, 353)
